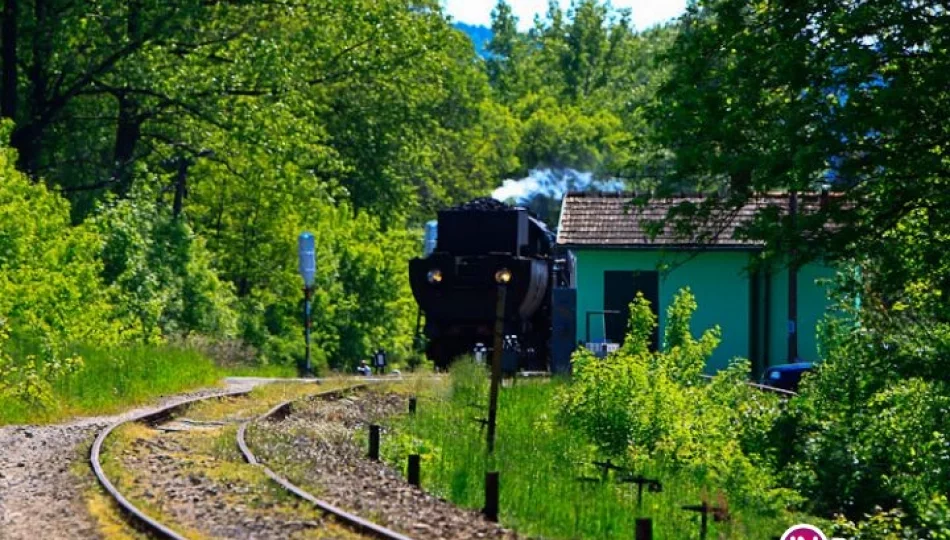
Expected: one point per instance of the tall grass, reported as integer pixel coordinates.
(110, 379)
(548, 486)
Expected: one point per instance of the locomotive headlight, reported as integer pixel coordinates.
(503, 276)
(434, 276)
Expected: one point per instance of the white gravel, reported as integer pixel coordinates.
(40, 495)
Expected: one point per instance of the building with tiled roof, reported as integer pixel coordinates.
(623, 245)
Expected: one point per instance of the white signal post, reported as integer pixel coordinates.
(307, 252)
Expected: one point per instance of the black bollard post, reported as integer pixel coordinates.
(413, 472)
(412, 405)
(644, 529)
(719, 514)
(491, 496)
(374, 442)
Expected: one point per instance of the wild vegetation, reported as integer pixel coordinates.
(158, 159)
(833, 456)
(650, 413)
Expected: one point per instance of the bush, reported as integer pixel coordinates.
(50, 287)
(874, 419)
(160, 273)
(655, 408)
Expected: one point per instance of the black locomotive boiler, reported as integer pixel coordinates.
(456, 285)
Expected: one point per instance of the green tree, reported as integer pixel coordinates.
(791, 96)
(579, 81)
(51, 293)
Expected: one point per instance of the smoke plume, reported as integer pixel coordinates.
(542, 190)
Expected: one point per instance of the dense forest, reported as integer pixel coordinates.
(159, 159)
(163, 157)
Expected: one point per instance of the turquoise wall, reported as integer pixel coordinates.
(812, 302)
(778, 317)
(722, 287)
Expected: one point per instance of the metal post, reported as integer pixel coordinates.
(412, 405)
(413, 472)
(644, 529)
(374, 442)
(491, 496)
(308, 370)
(719, 513)
(793, 283)
(496, 365)
(704, 525)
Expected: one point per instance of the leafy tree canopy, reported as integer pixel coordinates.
(793, 96)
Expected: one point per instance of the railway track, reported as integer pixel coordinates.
(143, 521)
(367, 527)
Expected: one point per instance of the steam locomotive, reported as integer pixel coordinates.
(477, 245)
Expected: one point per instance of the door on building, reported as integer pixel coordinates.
(620, 288)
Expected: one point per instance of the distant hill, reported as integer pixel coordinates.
(480, 36)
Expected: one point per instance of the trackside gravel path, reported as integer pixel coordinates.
(41, 497)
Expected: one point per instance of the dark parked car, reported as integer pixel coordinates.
(786, 376)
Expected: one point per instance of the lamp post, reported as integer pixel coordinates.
(502, 278)
(307, 252)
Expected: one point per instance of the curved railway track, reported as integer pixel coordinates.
(358, 523)
(140, 520)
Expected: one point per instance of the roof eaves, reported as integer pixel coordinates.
(662, 247)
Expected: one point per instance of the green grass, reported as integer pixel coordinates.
(112, 379)
(540, 461)
(269, 370)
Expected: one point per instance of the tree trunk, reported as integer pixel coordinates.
(128, 128)
(8, 98)
(28, 141)
(127, 134)
(181, 187)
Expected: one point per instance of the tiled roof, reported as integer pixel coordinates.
(613, 220)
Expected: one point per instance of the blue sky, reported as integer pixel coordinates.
(645, 13)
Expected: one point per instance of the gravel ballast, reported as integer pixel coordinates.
(316, 448)
(41, 496)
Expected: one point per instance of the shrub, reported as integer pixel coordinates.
(654, 407)
(50, 289)
(160, 273)
(873, 422)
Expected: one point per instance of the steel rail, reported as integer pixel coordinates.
(362, 525)
(139, 518)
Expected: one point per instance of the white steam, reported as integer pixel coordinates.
(553, 184)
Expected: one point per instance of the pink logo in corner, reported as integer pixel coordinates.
(804, 532)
